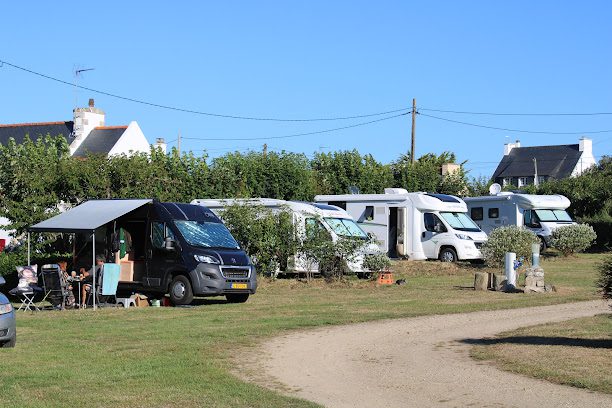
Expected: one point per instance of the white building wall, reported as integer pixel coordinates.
(85, 120)
(131, 141)
(587, 159)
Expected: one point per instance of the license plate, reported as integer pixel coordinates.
(239, 286)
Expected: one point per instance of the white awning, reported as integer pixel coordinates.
(89, 216)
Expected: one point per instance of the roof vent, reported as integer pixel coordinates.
(396, 191)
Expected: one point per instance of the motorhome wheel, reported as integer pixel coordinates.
(448, 255)
(237, 297)
(180, 290)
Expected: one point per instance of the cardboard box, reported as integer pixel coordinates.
(140, 300)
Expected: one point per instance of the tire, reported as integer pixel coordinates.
(448, 255)
(237, 297)
(543, 245)
(10, 343)
(180, 290)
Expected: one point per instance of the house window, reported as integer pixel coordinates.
(493, 212)
(476, 213)
(522, 181)
(541, 179)
(368, 215)
(506, 181)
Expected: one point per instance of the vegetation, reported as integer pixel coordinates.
(604, 282)
(570, 239)
(576, 352)
(508, 239)
(180, 357)
(376, 262)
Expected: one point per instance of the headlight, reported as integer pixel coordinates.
(206, 259)
(463, 236)
(7, 308)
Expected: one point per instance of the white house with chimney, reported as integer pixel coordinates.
(522, 166)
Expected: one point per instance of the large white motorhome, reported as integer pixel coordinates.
(541, 214)
(415, 225)
(337, 222)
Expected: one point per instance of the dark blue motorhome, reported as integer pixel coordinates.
(182, 250)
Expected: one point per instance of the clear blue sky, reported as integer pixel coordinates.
(312, 59)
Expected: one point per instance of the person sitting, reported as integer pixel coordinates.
(66, 280)
(87, 278)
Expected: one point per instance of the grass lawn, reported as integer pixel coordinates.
(576, 352)
(183, 357)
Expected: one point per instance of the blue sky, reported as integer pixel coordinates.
(320, 59)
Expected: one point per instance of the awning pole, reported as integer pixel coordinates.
(93, 288)
(28, 247)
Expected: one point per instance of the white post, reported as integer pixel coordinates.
(93, 287)
(510, 272)
(535, 255)
(28, 248)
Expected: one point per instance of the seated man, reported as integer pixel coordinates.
(87, 278)
(66, 280)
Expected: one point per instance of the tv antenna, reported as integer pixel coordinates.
(78, 74)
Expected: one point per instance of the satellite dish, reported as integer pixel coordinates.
(495, 189)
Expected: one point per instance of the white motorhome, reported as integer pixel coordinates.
(541, 214)
(414, 225)
(337, 222)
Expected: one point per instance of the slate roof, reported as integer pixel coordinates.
(553, 161)
(35, 130)
(100, 140)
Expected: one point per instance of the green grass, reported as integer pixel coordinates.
(576, 352)
(183, 357)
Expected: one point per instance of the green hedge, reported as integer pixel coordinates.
(602, 224)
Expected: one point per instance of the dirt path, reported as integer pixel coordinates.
(417, 362)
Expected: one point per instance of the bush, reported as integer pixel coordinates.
(573, 238)
(602, 225)
(605, 277)
(508, 239)
(376, 262)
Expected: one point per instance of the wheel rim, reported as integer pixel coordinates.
(178, 290)
(447, 256)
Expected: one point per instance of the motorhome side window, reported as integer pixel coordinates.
(476, 213)
(368, 215)
(159, 232)
(433, 223)
(493, 212)
(313, 227)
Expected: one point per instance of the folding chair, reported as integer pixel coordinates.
(27, 289)
(54, 286)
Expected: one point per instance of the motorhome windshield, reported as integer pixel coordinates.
(206, 234)
(345, 227)
(460, 221)
(553, 215)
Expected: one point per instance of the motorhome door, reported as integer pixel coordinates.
(397, 231)
(430, 237)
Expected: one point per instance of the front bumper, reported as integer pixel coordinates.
(469, 250)
(215, 280)
(7, 326)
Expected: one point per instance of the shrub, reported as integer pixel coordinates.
(602, 225)
(508, 239)
(573, 238)
(331, 258)
(376, 262)
(604, 282)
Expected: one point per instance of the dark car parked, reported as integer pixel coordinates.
(8, 334)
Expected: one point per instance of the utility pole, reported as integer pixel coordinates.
(178, 143)
(535, 177)
(413, 130)
(265, 150)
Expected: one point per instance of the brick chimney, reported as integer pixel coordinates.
(509, 146)
(85, 120)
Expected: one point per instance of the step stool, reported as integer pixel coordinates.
(126, 302)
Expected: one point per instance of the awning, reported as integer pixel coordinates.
(88, 216)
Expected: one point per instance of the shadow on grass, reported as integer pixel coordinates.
(542, 341)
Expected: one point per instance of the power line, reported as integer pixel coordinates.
(515, 114)
(299, 134)
(185, 110)
(515, 130)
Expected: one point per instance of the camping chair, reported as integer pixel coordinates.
(56, 290)
(106, 285)
(27, 288)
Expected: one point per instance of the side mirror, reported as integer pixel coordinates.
(169, 244)
(2, 281)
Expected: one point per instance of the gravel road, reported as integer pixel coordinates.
(416, 362)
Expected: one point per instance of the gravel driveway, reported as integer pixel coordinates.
(416, 362)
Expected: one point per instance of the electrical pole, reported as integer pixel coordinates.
(535, 166)
(413, 130)
(265, 150)
(178, 143)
